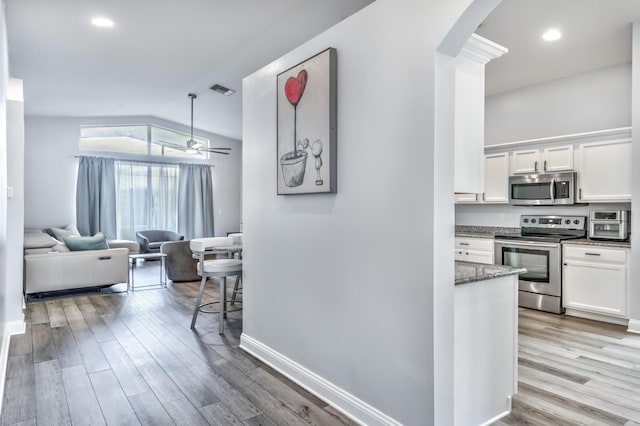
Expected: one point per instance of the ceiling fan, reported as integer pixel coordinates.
(192, 146)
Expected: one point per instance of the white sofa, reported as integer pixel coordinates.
(56, 268)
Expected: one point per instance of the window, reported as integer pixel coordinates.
(142, 139)
(146, 198)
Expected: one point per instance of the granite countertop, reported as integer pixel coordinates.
(483, 231)
(468, 272)
(601, 243)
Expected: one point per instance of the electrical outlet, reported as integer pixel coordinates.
(502, 216)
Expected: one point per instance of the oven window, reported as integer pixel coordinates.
(530, 191)
(535, 261)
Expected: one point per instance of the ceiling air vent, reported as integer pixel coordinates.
(222, 90)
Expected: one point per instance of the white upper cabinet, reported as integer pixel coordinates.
(496, 178)
(604, 171)
(496, 182)
(546, 160)
(469, 112)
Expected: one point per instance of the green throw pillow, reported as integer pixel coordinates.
(97, 242)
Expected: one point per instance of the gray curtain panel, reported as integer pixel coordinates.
(96, 197)
(195, 201)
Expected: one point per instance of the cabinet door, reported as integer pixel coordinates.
(526, 161)
(604, 171)
(595, 287)
(496, 178)
(479, 256)
(556, 159)
(467, 198)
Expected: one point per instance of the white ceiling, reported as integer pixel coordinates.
(160, 50)
(157, 52)
(596, 34)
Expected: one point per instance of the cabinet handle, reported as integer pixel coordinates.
(476, 197)
(545, 165)
(592, 254)
(467, 253)
(565, 264)
(483, 196)
(535, 166)
(464, 244)
(104, 258)
(580, 193)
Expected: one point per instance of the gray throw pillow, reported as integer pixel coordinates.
(69, 231)
(97, 242)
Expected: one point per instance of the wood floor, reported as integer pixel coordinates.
(575, 372)
(128, 359)
(120, 359)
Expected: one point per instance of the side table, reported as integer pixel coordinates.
(133, 258)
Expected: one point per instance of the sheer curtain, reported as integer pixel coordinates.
(146, 198)
(195, 201)
(95, 197)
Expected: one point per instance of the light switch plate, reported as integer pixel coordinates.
(9, 192)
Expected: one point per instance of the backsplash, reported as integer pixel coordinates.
(504, 215)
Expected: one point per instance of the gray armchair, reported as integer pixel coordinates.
(180, 264)
(150, 241)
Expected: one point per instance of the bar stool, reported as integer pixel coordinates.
(214, 268)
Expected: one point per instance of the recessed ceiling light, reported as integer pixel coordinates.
(552, 34)
(102, 22)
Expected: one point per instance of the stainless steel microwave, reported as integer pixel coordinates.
(548, 189)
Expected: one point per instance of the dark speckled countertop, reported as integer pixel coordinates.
(468, 272)
(483, 231)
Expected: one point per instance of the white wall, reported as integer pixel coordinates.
(51, 170)
(595, 100)
(634, 296)
(339, 289)
(5, 302)
(15, 205)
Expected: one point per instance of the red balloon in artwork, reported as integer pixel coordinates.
(294, 87)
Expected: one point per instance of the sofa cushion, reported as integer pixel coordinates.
(97, 242)
(69, 231)
(34, 240)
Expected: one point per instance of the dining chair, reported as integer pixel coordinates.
(214, 268)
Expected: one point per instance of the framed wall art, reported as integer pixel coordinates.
(307, 129)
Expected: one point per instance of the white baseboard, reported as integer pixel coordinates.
(595, 316)
(10, 328)
(341, 400)
(634, 326)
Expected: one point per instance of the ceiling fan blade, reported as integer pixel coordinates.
(214, 148)
(219, 152)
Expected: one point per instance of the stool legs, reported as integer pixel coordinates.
(198, 301)
(223, 305)
(236, 289)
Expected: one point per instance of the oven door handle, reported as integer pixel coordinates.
(552, 190)
(527, 244)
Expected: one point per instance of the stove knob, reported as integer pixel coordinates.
(526, 220)
(576, 222)
(533, 221)
(567, 221)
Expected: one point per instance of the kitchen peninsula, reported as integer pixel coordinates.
(485, 342)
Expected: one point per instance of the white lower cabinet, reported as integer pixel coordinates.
(479, 250)
(595, 279)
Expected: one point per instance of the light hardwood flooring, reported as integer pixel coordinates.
(118, 358)
(575, 372)
(128, 359)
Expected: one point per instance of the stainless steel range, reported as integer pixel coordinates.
(538, 249)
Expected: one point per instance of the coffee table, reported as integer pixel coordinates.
(133, 258)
